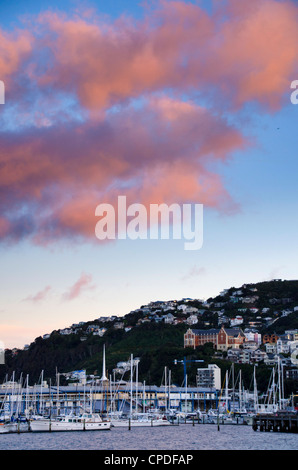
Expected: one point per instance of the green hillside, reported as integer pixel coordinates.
(145, 335)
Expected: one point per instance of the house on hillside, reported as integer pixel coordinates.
(65, 331)
(238, 320)
(192, 320)
(222, 339)
(169, 318)
(267, 338)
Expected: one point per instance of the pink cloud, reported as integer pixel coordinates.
(240, 53)
(257, 54)
(15, 48)
(41, 295)
(82, 284)
(139, 124)
(157, 154)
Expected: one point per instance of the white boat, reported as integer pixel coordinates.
(140, 420)
(6, 427)
(84, 422)
(14, 426)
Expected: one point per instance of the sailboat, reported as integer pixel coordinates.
(275, 394)
(11, 418)
(86, 421)
(83, 422)
(135, 418)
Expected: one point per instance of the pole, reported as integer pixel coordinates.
(137, 391)
(186, 394)
(41, 385)
(131, 373)
(233, 382)
(279, 385)
(184, 366)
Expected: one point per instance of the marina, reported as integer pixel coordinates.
(41, 408)
(107, 405)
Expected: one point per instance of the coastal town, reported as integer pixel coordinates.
(238, 322)
(250, 325)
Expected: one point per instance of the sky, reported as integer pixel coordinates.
(164, 102)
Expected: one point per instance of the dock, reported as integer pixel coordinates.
(276, 422)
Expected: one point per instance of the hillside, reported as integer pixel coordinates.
(154, 333)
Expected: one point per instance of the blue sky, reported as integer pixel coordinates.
(257, 243)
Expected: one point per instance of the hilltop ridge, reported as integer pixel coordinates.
(154, 332)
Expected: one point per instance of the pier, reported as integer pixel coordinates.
(277, 422)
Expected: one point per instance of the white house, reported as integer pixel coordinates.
(66, 331)
(99, 331)
(192, 320)
(169, 318)
(271, 348)
(253, 336)
(248, 300)
(250, 345)
(253, 310)
(282, 346)
(265, 309)
(238, 320)
(293, 346)
(182, 307)
(285, 313)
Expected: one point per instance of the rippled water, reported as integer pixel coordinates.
(182, 437)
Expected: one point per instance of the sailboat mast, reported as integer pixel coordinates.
(41, 385)
(240, 392)
(233, 385)
(144, 397)
(104, 377)
(137, 378)
(169, 391)
(165, 388)
(255, 390)
(227, 390)
(279, 384)
(186, 393)
(131, 378)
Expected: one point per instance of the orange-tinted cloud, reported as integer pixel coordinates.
(244, 51)
(82, 284)
(52, 179)
(41, 295)
(15, 48)
(257, 55)
(140, 108)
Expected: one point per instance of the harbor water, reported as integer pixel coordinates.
(182, 437)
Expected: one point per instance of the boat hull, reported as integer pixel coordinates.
(47, 425)
(14, 427)
(126, 423)
(6, 428)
